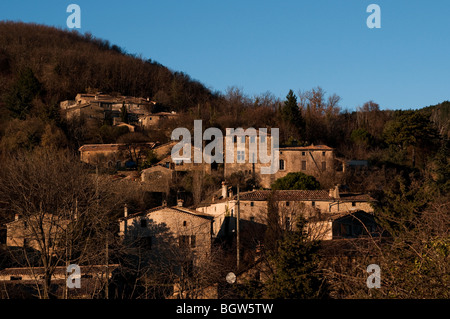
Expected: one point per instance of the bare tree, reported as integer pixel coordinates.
(60, 208)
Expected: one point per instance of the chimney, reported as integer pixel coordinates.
(224, 189)
(180, 202)
(334, 192)
(125, 211)
(16, 217)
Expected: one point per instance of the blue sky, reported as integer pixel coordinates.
(275, 46)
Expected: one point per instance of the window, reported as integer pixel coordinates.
(303, 153)
(323, 153)
(287, 222)
(252, 139)
(15, 278)
(287, 203)
(313, 204)
(281, 164)
(262, 138)
(193, 241)
(178, 162)
(353, 204)
(252, 218)
(146, 242)
(184, 241)
(346, 230)
(243, 139)
(184, 223)
(304, 165)
(143, 223)
(240, 156)
(324, 166)
(252, 204)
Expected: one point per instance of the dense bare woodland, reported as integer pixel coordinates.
(408, 176)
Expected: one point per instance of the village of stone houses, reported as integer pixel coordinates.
(94, 205)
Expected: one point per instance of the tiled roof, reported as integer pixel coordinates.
(288, 195)
(162, 114)
(337, 215)
(355, 197)
(174, 208)
(58, 270)
(114, 99)
(109, 147)
(307, 148)
(300, 195)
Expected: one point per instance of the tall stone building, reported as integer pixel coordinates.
(241, 153)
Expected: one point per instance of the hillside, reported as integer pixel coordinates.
(40, 66)
(67, 62)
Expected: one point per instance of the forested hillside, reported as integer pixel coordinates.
(41, 66)
(67, 63)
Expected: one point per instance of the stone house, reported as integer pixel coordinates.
(158, 178)
(153, 120)
(114, 155)
(348, 224)
(309, 203)
(22, 282)
(33, 231)
(106, 107)
(314, 160)
(166, 227)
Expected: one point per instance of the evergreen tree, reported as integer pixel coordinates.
(296, 267)
(410, 129)
(273, 230)
(296, 180)
(401, 203)
(442, 169)
(20, 96)
(124, 113)
(290, 111)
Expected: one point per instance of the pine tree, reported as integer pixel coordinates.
(296, 268)
(124, 113)
(290, 111)
(273, 230)
(20, 96)
(296, 180)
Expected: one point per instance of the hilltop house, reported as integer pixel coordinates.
(107, 108)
